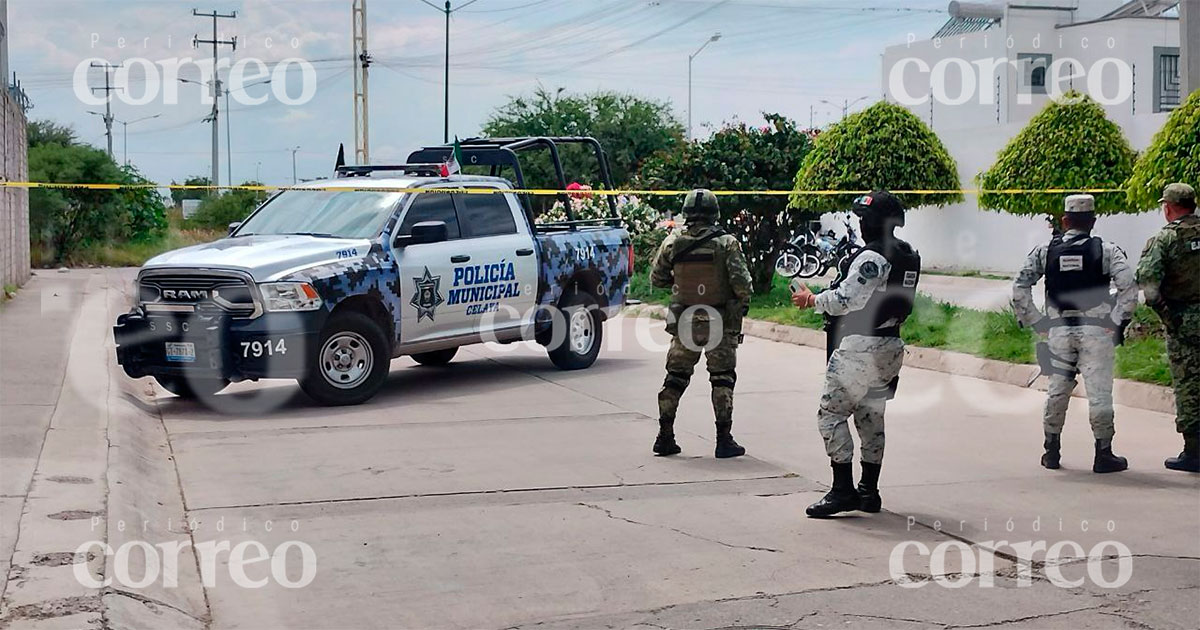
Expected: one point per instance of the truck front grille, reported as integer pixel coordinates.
(191, 292)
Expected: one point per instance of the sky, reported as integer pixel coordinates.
(783, 56)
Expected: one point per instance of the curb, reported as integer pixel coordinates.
(105, 476)
(1145, 396)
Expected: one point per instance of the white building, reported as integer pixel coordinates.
(992, 67)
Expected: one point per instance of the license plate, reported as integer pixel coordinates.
(182, 352)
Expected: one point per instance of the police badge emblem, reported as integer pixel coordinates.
(425, 297)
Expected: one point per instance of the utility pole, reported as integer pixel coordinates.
(446, 95)
(108, 117)
(812, 110)
(1189, 47)
(358, 18)
(228, 141)
(294, 150)
(446, 80)
(692, 56)
(215, 115)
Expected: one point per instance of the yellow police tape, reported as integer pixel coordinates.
(551, 191)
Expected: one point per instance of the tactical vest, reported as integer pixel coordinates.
(700, 272)
(1075, 277)
(1181, 283)
(894, 302)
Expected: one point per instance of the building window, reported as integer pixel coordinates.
(1167, 90)
(1034, 68)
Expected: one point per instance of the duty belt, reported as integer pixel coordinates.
(1103, 322)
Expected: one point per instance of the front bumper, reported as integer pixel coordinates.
(275, 345)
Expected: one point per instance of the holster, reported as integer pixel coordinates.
(735, 315)
(1046, 359)
(674, 312)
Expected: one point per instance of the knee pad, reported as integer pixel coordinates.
(677, 381)
(723, 379)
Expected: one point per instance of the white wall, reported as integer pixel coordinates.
(965, 237)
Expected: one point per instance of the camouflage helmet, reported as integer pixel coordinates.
(701, 202)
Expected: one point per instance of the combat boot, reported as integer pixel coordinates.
(1050, 459)
(842, 497)
(1105, 461)
(665, 444)
(726, 446)
(1189, 459)
(868, 488)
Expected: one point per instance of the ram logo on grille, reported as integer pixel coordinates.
(189, 295)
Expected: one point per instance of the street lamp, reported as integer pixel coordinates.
(691, 57)
(446, 97)
(228, 123)
(125, 133)
(846, 104)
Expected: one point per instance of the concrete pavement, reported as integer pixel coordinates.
(501, 492)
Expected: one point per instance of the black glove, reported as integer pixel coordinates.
(1119, 333)
(1041, 326)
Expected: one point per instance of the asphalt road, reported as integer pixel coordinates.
(500, 492)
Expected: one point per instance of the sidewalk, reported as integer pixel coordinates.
(983, 294)
(35, 334)
(83, 462)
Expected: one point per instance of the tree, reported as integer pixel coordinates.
(231, 207)
(142, 209)
(40, 132)
(67, 218)
(178, 195)
(882, 147)
(1173, 156)
(630, 128)
(1069, 145)
(740, 157)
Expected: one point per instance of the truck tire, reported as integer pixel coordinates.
(580, 345)
(436, 358)
(350, 362)
(191, 388)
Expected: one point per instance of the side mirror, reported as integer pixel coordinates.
(424, 232)
(234, 226)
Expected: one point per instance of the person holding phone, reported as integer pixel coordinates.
(864, 308)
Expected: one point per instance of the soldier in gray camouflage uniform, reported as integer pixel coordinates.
(1083, 323)
(710, 290)
(864, 308)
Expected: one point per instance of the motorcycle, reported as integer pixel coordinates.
(810, 254)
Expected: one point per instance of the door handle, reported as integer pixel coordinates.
(528, 251)
(461, 258)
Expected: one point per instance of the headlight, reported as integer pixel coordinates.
(290, 296)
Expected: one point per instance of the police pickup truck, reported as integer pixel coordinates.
(329, 282)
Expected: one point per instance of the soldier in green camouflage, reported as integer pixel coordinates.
(1169, 274)
(710, 291)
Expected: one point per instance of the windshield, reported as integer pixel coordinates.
(330, 213)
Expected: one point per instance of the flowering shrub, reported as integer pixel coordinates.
(639, 217)
(740, 157)
(647, 226)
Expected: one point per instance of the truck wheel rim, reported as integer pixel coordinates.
(346, 360)
(583, 333)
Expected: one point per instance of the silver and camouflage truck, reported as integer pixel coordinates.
(328, 282)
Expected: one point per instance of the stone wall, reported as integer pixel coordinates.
(14, 202)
